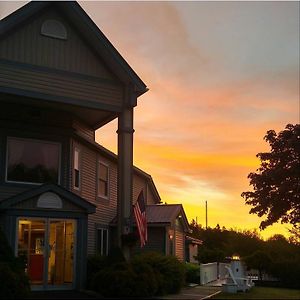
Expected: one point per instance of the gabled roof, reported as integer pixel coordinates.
(87, 28)
(76, 200)
(166, 213)
(163, 215)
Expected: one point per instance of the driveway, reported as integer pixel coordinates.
(187, 293)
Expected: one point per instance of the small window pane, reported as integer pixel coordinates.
(103, 172)
(76, 159)
(102, 187)
(76, 178)
(104, 236)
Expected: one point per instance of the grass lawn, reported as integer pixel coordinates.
(262, 293)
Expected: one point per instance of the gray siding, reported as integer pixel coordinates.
(27, 45)
(37, 81)
(179, 245)
(106, 209)
(84, 130)
(68, 68)
(156, 241)
(139, 184)
(34, 130)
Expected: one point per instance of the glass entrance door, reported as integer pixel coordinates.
(31, 248)
(61, 247)
(47, 247)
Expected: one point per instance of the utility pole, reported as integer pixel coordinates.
(206, 214)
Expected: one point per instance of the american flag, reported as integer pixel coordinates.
(140, 217)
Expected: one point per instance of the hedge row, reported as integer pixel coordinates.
(146, 275)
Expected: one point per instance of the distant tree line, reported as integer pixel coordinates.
(277, 256)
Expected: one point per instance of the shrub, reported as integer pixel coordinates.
(117, 280)
(95, 263)
(168, 270)
(287, 271)
(14, 282)
(146, 281)
(145, 275)
(192, 273)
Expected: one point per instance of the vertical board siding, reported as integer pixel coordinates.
(26, 44)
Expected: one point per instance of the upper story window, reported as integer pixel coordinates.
(103, 180)
(76, 169)
(32, 161)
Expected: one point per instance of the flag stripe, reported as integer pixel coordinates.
(140, 216)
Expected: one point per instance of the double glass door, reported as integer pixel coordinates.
(47, 248)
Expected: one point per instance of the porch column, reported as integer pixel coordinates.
(125, 164)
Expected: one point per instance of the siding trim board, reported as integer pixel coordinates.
(62, 99)
(47, 70)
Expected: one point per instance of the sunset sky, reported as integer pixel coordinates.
(220, 75)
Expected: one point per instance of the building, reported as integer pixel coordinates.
(60, 191)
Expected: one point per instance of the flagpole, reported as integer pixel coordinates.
(206, 214)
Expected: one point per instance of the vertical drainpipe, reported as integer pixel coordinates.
(125, 169)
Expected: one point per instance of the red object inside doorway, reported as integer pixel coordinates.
(36, 264)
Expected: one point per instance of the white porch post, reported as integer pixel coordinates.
(125, 167)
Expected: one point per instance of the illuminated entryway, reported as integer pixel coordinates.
(48, 249)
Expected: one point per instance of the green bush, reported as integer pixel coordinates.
(117, 280)
(14, 284)
(146, 275)
(146, 281)
(95, 263)
(192, 273)
(287, 272)
(168, 270)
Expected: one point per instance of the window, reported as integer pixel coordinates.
(32, 161)
(76, 172)
(103, 176)
(102, 241)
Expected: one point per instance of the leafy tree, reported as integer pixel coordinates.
(295, 235)
(276, 183)
(259, 260)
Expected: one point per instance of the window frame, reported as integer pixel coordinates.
(99, 163)
(59, 171)
(77, 188)
(101, 251)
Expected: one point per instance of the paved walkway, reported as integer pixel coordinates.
(187, 293)
(194, 293)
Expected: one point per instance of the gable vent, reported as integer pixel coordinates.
(49, 200)
(54, 29)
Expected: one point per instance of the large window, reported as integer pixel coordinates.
(32, 161)
(102, 241)
(103, 180)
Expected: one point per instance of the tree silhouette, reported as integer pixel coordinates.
(276, 183)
